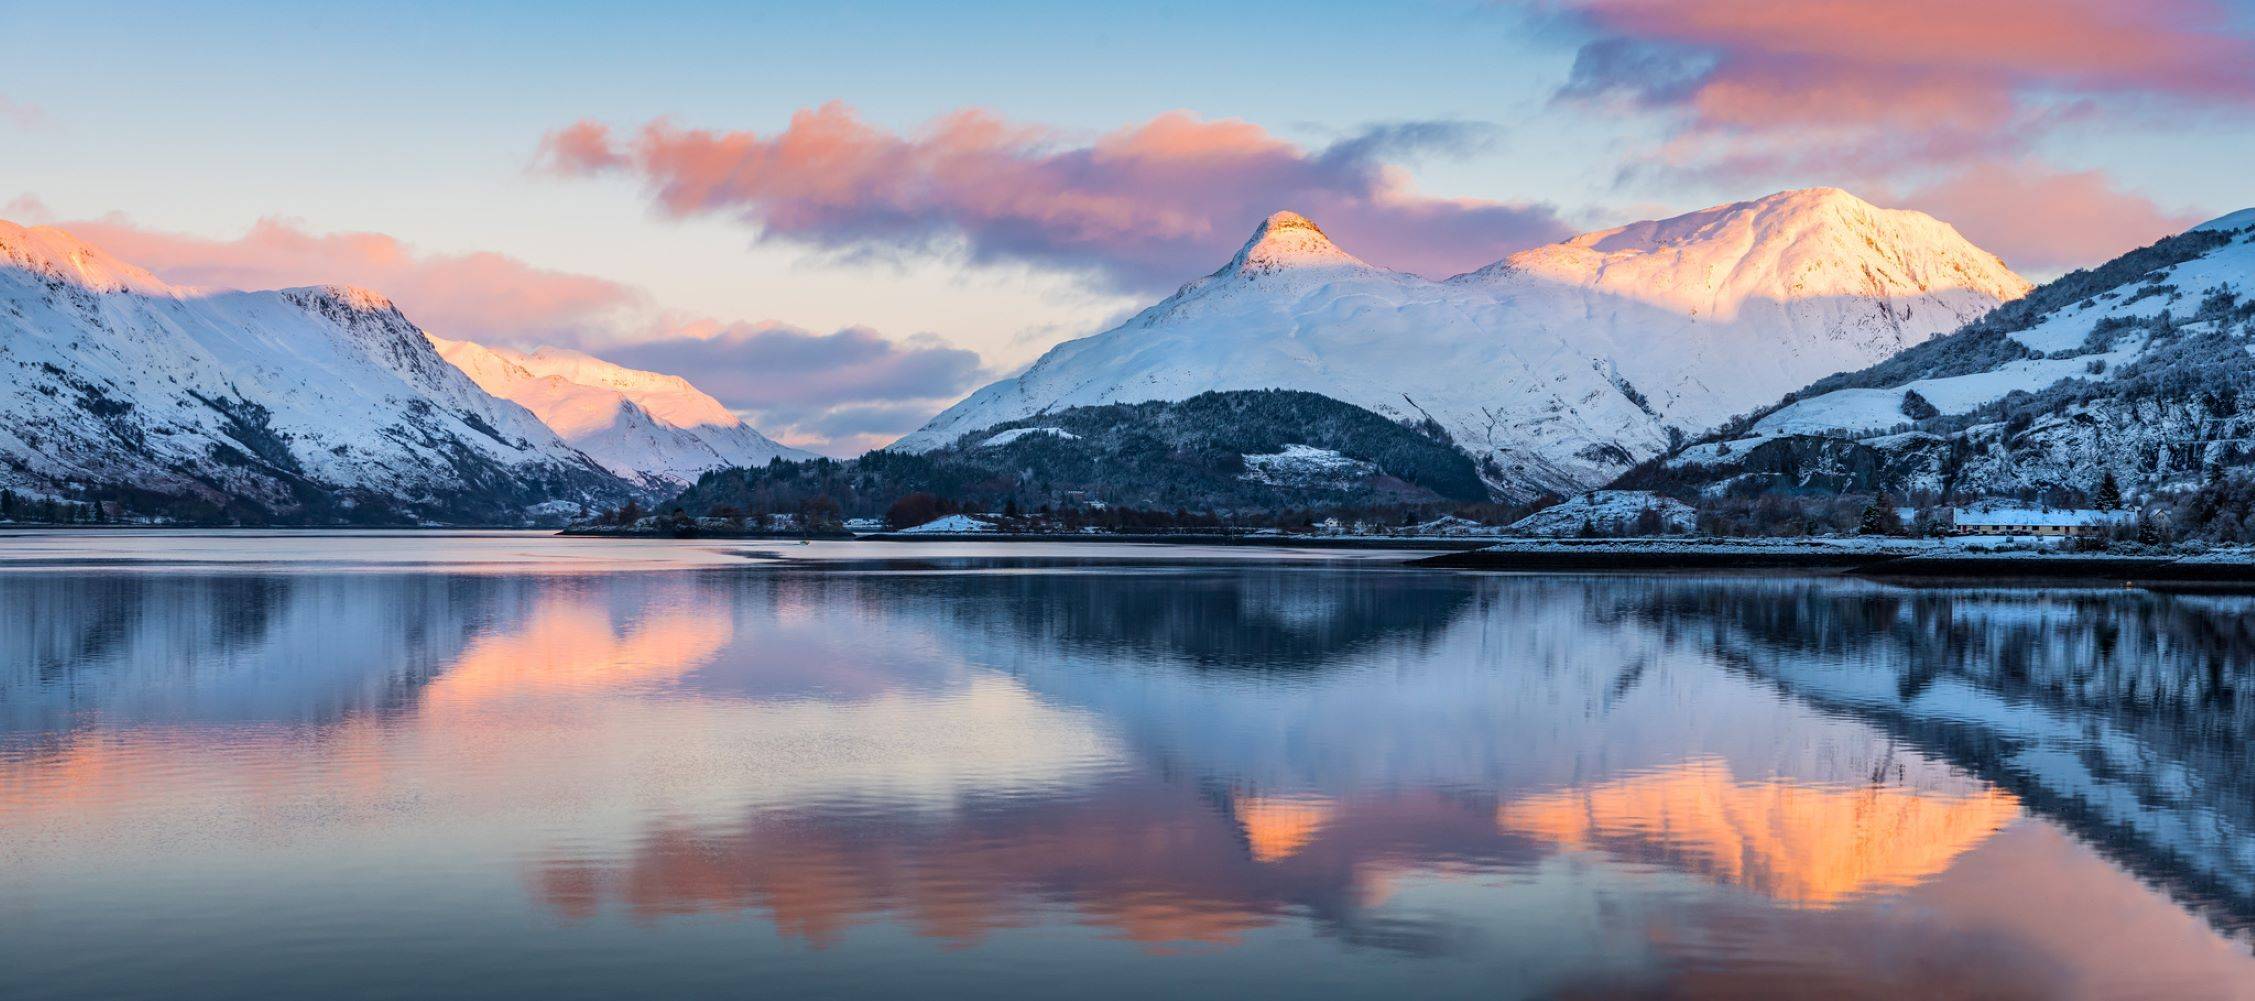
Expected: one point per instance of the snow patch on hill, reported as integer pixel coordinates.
(1610, 512)
(1014, 434)
(953, 524)
(1306, 465)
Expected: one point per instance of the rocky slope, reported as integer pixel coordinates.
(1557, 368)
(650, 428)
(2139, 368)
(312, 405)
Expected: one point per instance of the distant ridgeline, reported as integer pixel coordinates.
(1226, 452)
(2139, 370)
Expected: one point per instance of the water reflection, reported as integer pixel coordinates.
(1800, 844)
(2120, 714)
(1343, 778)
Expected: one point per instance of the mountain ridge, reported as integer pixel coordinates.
(648, 427)
(310, 404)
(1539, 365)
(2133, 370)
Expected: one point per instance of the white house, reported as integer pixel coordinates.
(2056, 522)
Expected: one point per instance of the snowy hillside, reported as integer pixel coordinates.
(1611, 512)
(311, 403)
(2137, 367)
(1558, 367)
(654, 429)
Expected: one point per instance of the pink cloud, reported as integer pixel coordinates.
(1944, 97)
(2040, 219)
(480, 295)
(27, 210)
(1926, 64)
(1145, 207)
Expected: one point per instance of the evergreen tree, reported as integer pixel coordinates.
(2109, 493)
(1880, 517)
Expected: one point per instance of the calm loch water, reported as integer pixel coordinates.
(512, 766)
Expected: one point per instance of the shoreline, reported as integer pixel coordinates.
(1894, 564)
(1905, 562)
(1198, 539)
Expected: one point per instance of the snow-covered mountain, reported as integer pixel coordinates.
(1558, 367)
(2140, 367)
(316, 404)
(651, 428)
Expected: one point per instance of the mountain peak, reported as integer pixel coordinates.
(669, 399)
(1823, 195)
(1805, 244)
(1771, 217)
(1289, 240)
(1288, 219)
(353, 297)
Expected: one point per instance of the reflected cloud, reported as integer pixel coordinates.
(1818, 775)
(570, 644)
(1147, 861)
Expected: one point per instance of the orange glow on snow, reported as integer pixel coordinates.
(1807, 845)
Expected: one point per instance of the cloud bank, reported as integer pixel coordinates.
(481, 296)
(1141, 209)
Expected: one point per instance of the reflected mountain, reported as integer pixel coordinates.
(1410, 764)
(142, 648)
(1236, 621)
(1430, 726)
(1148, 860)
(2123, 715)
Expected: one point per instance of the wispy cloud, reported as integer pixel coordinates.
(478, 295)
(21, 114)
(1142, 208)
(841, 392)
(26, 210)
(2044, 220)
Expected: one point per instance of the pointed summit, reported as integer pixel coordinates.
(1289, 240)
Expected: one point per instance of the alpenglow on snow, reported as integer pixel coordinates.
(323, 403)
(1557, 367)
(651, 428)
(2138, 369)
